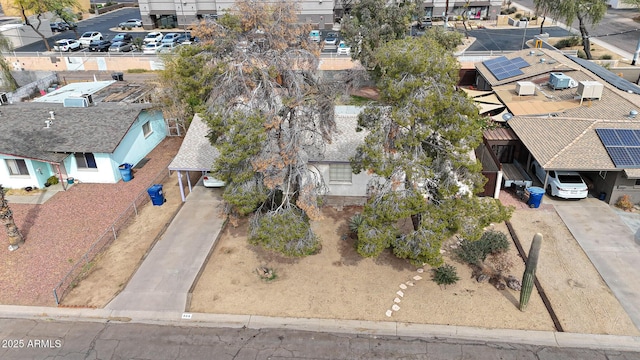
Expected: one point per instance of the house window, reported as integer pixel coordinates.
(85, 161)
(637, 184)
(146, 129)
(17, 167)
(340, 173)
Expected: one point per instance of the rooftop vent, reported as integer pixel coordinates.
(542, 60)
(507, 116)
(48, 124)
(633, 114)
(52, 115)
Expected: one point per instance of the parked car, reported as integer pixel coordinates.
(343, 49)
(209, 181)
(120, 46)
(131, 23)
(563, 184)
(166, 47)
(183, 37)
(99, 45)
(123, 37)
(58, 26)
(425, 23)
(66, 45)
(314, 35)
(150, 48)
(331, 39)
(86, 38)
(153, 37)
(170, 38)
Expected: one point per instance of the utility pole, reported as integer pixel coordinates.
(635, 54)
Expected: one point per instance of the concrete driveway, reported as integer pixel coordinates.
(162, 281)
(610, 244)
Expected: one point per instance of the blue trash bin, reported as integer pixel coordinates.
(535, 196)
(125, 171)
(155, 193)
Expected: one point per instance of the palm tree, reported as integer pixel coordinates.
(6, 217)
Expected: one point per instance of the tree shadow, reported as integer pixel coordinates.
(29, 221)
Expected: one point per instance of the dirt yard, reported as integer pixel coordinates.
(337, 283)
(114, 267)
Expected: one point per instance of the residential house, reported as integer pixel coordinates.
(196, 154)
(40, 140)
(559, 110)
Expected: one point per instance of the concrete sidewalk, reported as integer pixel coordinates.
(610, 245)
(165, 276)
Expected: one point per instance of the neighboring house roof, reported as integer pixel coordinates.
(564, 137)
(344, 141)
(97, 129)
(73, 89)
(568, 144)
(196, 152)
(554, 61)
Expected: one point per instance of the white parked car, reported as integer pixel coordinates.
(170, 38)
(86, 38)
(209, 181)
(563, 184)
(131, 23)
(150, 48)
(66, 45)
(343, 49)
(164, 48)
(153, 37)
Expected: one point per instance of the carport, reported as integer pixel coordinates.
(196, 154)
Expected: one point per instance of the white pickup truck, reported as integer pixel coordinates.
(563, 184)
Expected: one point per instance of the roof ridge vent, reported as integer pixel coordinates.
(633, 114)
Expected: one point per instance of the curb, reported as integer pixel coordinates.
(356, 327)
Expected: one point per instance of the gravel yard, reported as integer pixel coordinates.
(61, 230)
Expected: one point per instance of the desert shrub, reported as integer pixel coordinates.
(606, 57)
(503, 12)
(500, 263)
(128, 27)
(137, 71)
(474, 252)
(534, 18)
(624, 203)
(445, 275)
(286, 231)
(79, 15)
(354, 224)
(582, 54)
(92, 10)
(518, 16)
(567, 42)
(512, 10)
(52, 180)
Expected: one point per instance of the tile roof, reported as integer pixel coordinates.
(97, 129)
(196, 152)
(568, 144)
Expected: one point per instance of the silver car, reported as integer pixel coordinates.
(120, 46)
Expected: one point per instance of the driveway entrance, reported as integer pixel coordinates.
(610, 245)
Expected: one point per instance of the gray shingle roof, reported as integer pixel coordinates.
(196, 152)
(97, 129)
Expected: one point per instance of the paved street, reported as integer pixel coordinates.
(37, 339)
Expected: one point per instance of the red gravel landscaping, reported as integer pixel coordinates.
(58, 232)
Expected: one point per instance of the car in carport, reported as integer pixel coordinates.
(208, 180)
(562, 184)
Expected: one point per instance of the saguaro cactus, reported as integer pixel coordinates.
(529, 275)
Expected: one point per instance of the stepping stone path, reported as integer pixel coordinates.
(400, 293)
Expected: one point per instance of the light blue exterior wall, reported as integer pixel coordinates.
(133, 147)
(36, 178)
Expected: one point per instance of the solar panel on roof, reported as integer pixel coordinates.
(622, 145)
(608, 137)
(606, 75)
(503, 68)
(628, 137)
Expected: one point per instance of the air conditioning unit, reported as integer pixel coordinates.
(4, 99)
(525, 88)
(559, 81)
(89, 99)
(590, 90)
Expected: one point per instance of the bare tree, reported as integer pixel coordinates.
(6, 216)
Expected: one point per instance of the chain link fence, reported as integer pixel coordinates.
(82, 267)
